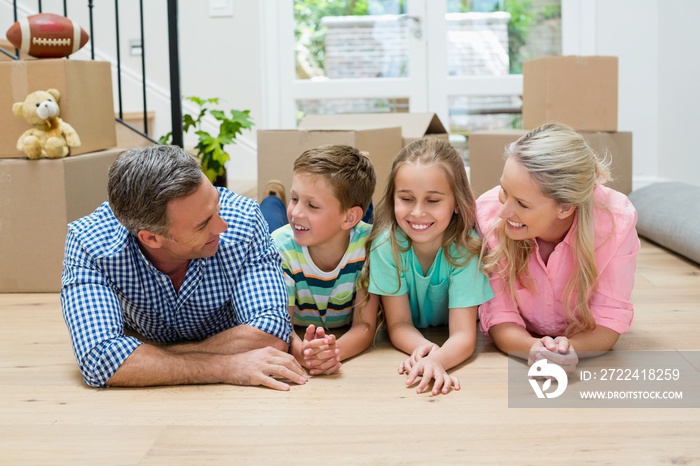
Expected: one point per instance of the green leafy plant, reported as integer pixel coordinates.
(210, 150)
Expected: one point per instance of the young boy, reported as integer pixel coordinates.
(323, 251)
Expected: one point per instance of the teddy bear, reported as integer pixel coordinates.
(51, 136)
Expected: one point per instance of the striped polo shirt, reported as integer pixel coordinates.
(321, 298)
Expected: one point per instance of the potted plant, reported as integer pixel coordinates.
(210, 149)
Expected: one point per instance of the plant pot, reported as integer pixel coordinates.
(221, 180)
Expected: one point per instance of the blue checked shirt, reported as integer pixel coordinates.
(108, 284)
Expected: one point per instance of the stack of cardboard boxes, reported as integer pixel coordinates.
(578, 91)
(381, 135)
(38, 198)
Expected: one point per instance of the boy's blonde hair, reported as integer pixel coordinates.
(349, 173)
(566, 170)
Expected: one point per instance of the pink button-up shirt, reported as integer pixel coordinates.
(543, 312)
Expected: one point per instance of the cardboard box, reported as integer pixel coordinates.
(278, 149)
(578, 91)
(413, 125)
(38, 198)
(486, 149)
(86, 100)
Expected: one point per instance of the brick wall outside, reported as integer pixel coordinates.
(377, 46)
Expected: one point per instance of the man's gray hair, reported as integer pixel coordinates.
(142, 181)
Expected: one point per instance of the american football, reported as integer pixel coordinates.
(46, 35)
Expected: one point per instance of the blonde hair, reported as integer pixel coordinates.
(426, 152)
(566, 170)
(349, 173)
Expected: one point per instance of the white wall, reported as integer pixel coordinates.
(659, 96)
(628, 29)
(679, 91)
(221, 57)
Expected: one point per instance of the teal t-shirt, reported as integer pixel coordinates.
(444, 287)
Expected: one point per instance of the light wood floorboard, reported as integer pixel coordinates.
(364, 415)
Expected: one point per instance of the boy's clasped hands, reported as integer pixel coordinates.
(320, 354)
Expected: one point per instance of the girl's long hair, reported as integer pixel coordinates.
(566, 170)
(460, 231)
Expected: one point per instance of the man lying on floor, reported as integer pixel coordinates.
(180, 262)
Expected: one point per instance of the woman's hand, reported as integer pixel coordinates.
(557, 350)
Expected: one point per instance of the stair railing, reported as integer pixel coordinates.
(174, 68)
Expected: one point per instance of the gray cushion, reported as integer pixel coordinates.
(669, 214)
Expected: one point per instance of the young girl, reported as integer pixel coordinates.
(423, 261)
(561, 251)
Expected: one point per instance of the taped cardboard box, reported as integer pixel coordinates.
(38, 198)
(86, 100)
(579, 91)
(278, 149)
(486, 149)
(413, 125)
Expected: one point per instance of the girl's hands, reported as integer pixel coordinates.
(431, 369)
(319, 351)
(558, 350)
(417, 354)
(419, 364)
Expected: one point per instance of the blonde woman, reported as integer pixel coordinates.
(560, 249)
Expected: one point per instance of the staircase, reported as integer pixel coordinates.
(129, 138)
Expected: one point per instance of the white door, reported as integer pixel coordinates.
(401, 38)
(428, 58)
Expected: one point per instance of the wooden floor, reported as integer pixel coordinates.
(364, 415)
